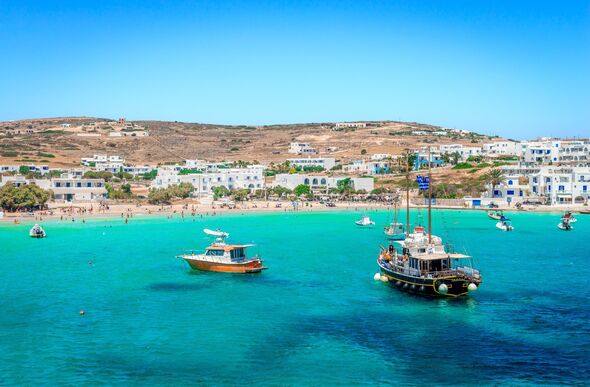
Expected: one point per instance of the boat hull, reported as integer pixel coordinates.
(253, 266)
(457, 286)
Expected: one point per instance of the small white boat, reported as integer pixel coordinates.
(216, 233)
(37, 232)
(565, 225)
(365, 221)
(504, 224)
(496, 215)
(395, 231)
(569, 217)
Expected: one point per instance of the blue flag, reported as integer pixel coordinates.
(422, 182)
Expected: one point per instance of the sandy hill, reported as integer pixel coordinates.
(63, 141)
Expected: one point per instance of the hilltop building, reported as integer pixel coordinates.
(299, 148)
(324, 162)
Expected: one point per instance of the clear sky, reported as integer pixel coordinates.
(514, 68)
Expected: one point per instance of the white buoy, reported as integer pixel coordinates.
(377, 277)
(443, 289)
(384, 279)
(472, 287)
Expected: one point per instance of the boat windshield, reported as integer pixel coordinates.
(214, 252)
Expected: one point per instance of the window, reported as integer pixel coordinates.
(306, 181)
(585, 188)
(217, 253)
(79, 184)
(510, 192)
(509, 182)
(561, 188)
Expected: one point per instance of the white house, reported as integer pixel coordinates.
(89, 161)
(351, 125)
(380, 156)
(321, 182)
(251, 177)
(368, 167)
(68, 189)
(506, 148)
(463, 151)
(324, 162)
(300, 148)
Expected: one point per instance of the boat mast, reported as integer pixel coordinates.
(429, 199)
(408, 194)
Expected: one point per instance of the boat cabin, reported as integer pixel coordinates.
(232, 252)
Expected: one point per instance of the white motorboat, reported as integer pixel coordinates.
(496, 215)
(569, 217)
(37, 232)
(365, 221)
(565, 225)
(504, 224)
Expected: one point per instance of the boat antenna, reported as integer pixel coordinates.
(429, 198)
(408, 194)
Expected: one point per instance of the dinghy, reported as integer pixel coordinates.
(37, 232)
(365, 221)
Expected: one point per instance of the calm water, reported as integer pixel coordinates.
(315, 317)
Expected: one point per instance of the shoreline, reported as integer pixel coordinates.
(188, 209)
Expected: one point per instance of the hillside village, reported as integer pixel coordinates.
(81, 160)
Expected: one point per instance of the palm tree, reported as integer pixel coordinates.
(494, 177)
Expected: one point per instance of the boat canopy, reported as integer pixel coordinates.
(228, 247)
(437, 256)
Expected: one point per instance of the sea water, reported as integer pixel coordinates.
(316, 316)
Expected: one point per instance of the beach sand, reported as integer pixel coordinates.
(189, 208)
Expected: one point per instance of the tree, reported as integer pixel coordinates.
(493, 178)
(24, 170)
(302, 189)
(106, 175)
(280, 191)
(240, 195)
(24, 197)
(363, 151)
(219, 192)
(159, 196)
(345, 185)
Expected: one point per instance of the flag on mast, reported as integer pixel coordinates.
(422, 182)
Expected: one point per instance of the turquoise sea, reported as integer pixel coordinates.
(316, 317)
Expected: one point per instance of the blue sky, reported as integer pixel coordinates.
(514, 68)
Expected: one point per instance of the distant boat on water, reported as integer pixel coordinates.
(496, 215)
(565, 225)
(395, 230)
(504, 224)
(365, 221)
(37, 232)
(569, 217)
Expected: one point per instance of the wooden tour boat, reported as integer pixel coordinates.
(223, 257)
(423, 266)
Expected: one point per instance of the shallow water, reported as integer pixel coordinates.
(315, 317)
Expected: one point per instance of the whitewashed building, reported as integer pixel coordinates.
(321, 182)
(464, 151)
(351, 125)
(68, 188)
(324, 162)
(251, 177)
(301, 148)
(368, 167)
(506, 148)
